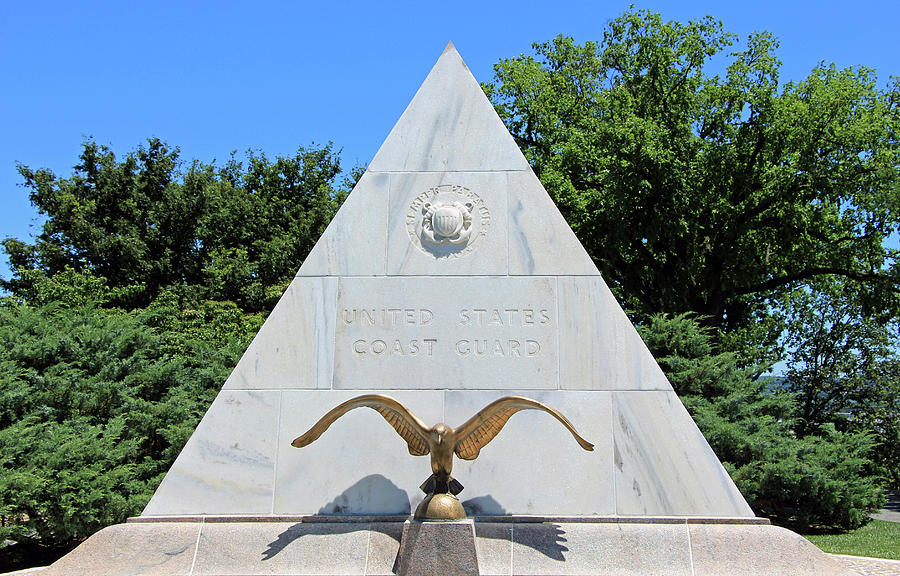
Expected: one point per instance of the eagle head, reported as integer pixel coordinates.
(440, 432)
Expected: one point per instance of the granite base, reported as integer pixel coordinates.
(194, 546)
(438, 547)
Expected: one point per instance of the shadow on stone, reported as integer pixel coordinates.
(484, 506)
(375, 495)
(546, 538)
(371, 495)
(301, 529)
(543, 537)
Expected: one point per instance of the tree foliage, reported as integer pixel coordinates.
(825, 481)
(838, 364)
(713, 194)
(844, 369)
(96, 402)
(146, 222)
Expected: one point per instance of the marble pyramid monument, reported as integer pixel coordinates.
(447, 279)
(502, 300)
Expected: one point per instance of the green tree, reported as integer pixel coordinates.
(884, 421)
(839, 365)
(823, 481)
(844, 369)
(233, 233)
(96, 401)
(713, 194)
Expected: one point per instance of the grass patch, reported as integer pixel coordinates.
(877, 539)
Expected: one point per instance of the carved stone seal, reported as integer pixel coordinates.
(447, 221)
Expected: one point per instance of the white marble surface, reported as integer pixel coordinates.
(535, 466)
(295, 347)
(540, 240)
(360, 465)
(307, 341)
(663, 465)
(599, 347)
(354, 241)
(450, 125)
(459, 332)
(228, 464)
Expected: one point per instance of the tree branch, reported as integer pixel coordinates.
(810, 273)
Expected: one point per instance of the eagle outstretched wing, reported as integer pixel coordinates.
(404, 422)
(481, 428)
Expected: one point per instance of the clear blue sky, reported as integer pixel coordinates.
(212, 77)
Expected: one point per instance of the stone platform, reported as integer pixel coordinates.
(194, 546)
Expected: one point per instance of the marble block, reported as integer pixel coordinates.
(230, 548)
(360, 465)
(494, 546)
(647, 548)
(534, 465)
(540, 241)
(361, 223)
(228, 464)
(446, 333)
(482, 196)
(384, 547)
(601, 549)
(599, 348)
(295, 347)
(663, 465)
(450, 125)
(160, 549)
(749, 550)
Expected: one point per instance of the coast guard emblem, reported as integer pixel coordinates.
(447, 221)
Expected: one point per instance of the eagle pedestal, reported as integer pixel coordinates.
(428, 547)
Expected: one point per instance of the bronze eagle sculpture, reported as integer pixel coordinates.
(441, 441)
